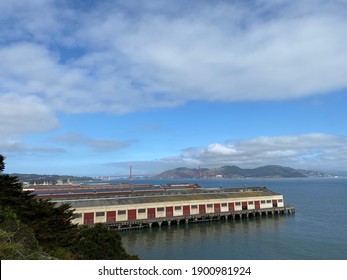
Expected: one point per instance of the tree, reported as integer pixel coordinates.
(51, 224)
(33, 228)
(100, 243)
(17, 240)
(2, 163)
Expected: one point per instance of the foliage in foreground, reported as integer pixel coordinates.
(99, 242)
(32, 228)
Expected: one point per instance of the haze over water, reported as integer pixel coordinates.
(317, 230)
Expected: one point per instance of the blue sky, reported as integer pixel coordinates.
(92, 87)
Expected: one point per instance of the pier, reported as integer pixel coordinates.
(227, 216)
(136, 207)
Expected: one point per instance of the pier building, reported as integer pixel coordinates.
(172, 204)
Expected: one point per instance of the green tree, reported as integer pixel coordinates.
(33, 228)
(17, 240)
(2, 163)
(100, 243)
(51, 224)
(11, 193)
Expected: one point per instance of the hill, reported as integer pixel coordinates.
(52, 179)
(268, 171)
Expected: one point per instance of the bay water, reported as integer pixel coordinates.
(317, 231)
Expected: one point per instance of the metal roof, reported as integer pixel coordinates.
(171, 196)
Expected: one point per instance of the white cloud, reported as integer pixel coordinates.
(32, 19)
(99, 145)
(30, 69)
(320, 151)
(307, 151)
(204, 55)
(124, 57)
(18, 148)
(222, 150)
(24, 114)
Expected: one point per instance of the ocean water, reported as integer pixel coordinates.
(318, 229)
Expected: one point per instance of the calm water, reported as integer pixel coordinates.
(318, 230)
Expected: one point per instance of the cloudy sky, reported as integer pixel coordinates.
(91, 87)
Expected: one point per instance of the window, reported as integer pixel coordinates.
(262, 202)
(268, 201)
(209, 205)
(280, 200)
(178, 208)
(237, 203)
(141, 211)
(250, 202)
(224, 205)
(122, 212)
(100, 214)
(194, 206)
(160, 209)
(78, 215)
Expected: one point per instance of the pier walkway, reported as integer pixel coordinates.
(200, 218)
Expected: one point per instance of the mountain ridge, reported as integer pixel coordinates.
(266, 171)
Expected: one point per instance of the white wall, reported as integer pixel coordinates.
(162, 214)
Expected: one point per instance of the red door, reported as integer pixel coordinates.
(202, 209)
(274, 203)
(169, 211)
(217, 207)
(88, 218)
(231, 206)
(132, 214)
(151, 213)
(244, 205)
(186, 210)
(111, 216)
(257, 204)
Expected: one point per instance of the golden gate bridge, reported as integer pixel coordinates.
(128, 176)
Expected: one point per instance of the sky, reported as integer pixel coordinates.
(92, 87)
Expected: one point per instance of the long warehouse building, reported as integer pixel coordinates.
(137, 208)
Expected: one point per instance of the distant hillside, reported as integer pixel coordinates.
(268, 171)
(52, 179)
(310, 173)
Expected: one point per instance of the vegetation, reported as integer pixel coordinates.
(100, 243)
(52, 179)
(32, 228)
